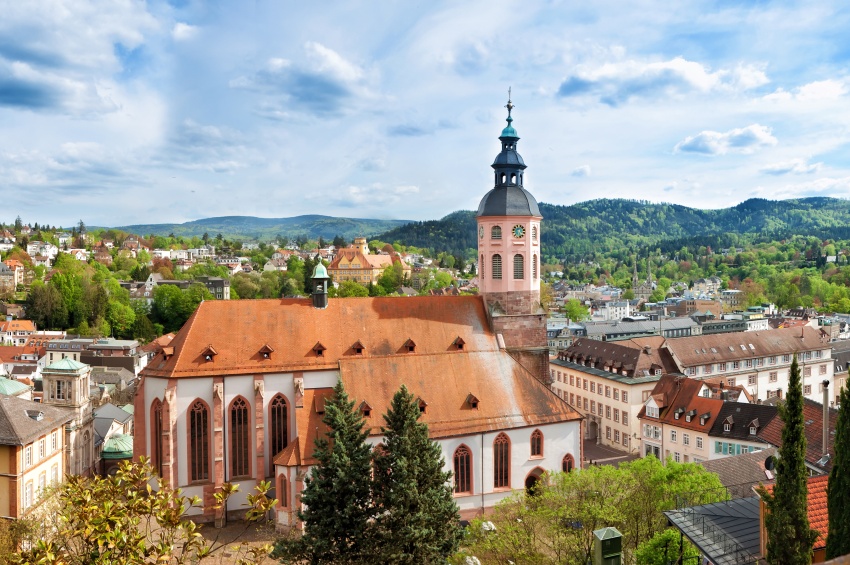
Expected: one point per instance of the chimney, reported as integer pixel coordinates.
(825, 418)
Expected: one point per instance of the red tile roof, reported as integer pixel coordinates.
(817, 507)
(813, 420)
(238, 329)
(675, 393)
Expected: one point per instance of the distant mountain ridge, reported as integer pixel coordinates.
(568, 232)
(604, 225)
(250, 228)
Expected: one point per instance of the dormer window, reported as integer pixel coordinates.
(409, 346)
(358, 348)
(365, 409)
(472, 401)
(266, 351)
(458, 343)
(319, 349)
(727, 427)
(678, 412)
(423, 406)
(209, 353)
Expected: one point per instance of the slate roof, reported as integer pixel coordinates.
(620, 356)
(747, 468)
(508, 201)
(111, 375)
(112, 412)
(727, 533)
(292, 327)
(813, 419)
(19, 427)
(817, 507)
(742, 415)
(714, 348)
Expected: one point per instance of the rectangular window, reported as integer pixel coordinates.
(773, 376)
(41, 443)
(699, 443)
(673, 436)
(686, 439)
(571, 381)
(676, 457)
(572, 399)
(27, 456)
(616, 394)
(772, 360)
(751, 380)
(625, 417)
(608, 412)
(652, 411)
(736, 364)
(585, 404)
(592, 386)
(584, 384)
(807, 372)
(807, 390)
(721, 366)
(707, 369)
(616, 414)
(818, 354)
(53, 442)
(617, 436)
(647, 430)
(593, 406)
(656, 432)
(625, 396)
(607, 432)
(731, 381)
(718, 447)
(54, 474)
(822, 368)
(760, 362)
(786, 358)
(626, 439)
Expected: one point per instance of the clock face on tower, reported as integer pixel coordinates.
(480, 232)
(518, 231)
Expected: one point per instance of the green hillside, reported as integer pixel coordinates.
(606, 225)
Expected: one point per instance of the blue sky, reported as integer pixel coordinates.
(130, 112)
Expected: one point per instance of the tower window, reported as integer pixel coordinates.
(504, 178)
(534, 266)
(497, 266)
(519, 267)
(513, 177)
(481, 266)
(533, 231)
(496, 232)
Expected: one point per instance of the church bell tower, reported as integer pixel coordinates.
(509, 257)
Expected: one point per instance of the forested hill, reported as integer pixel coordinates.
(607, 224)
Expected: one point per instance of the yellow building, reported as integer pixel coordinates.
(355, 263)
(32, 452)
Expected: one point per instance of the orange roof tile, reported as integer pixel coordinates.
(238, 330)
(817, 507)
(17, 326)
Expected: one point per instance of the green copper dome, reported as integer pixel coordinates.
(12, 387)
(119, 446)
(320, 272)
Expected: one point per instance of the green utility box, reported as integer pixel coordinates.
(607, 547)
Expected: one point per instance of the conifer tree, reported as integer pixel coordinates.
(838, 490)
(789, 537)
(418, 520)
(337, 492)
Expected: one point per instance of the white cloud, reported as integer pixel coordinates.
(183, 31)
(740, 140)
(326, 60)
(583, 171)
(614, 83)
(829, 89)
(794, 166)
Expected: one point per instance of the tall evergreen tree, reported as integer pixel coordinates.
(418, 521)
(789, 537)
(838, 490)
(337, 492)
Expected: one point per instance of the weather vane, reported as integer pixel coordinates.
(509, 105)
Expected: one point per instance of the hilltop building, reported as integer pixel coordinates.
(356, 264)
(246, 404)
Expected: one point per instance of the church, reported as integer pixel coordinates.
(238, 396)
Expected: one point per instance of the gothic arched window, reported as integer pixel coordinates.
(567, 463)
(537, 443)
(278, 425)
(240, 438)
(156, 426)
(501, 462)
(463, 469)
(519, 267)
(199, 441)
(497, 266)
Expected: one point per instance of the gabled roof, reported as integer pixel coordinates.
(681, 395)
(714, 348)
(22, 421)
(813, 419)
(742, 415)
(636, 360)
(292, 326)
(17, 326)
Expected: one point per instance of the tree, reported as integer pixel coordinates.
(337, 494)
(419, 520)
(838, 489)
(123, 519)
(575, 310)
(663, 548)
(789, 537)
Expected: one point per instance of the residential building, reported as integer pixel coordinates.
(32, 452)
(608, 383)
(760, 361)
(15, 332)
(218, 287)
(737, 427)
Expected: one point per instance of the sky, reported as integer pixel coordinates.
(126, 112)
